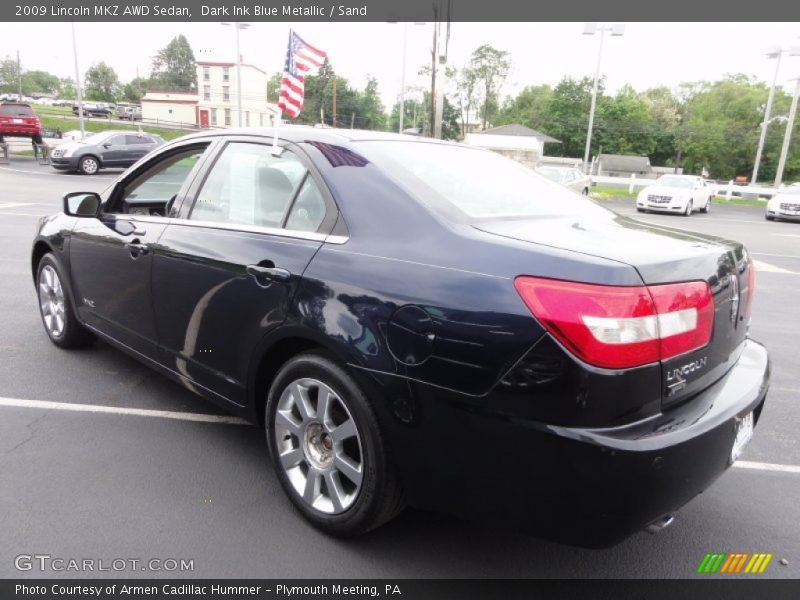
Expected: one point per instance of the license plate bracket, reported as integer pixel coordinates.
(744, 433)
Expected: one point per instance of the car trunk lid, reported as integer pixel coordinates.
(660, 255)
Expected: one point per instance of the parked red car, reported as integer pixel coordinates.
(18, 120)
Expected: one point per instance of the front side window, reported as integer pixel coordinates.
(149, 192)
(249, 186)
(117, 140)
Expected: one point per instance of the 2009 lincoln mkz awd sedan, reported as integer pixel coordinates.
(419, 322)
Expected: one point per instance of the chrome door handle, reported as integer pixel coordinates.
(136, 248)
(270, 273)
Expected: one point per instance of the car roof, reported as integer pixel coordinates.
(306, 133)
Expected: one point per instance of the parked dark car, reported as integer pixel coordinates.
(418, 322)
(104, 149)
(92, 110)
(17, 119)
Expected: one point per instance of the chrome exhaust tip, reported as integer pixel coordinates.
(660, 525)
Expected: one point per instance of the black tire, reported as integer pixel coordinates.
(707, 208)
(688, 211)
(585, 191)
(88, 165)
(380, 496)
(769, 217)
(73, 334)
(639, 209)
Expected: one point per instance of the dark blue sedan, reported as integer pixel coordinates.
(420, 323)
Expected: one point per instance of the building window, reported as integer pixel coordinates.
(226, 74)
(246, 118)
(207, 93)
(206, 73)
(260, 119)
(227, 116)
(213, 116)
(226, 94)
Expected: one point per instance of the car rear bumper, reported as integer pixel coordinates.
(19, 131)
(587, 487)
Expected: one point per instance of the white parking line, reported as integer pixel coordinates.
(764, 267)
(118, 410)
(52, 174)
(5, 205)
(227, 420)
(759, 466)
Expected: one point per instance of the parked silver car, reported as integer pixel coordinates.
(569, 177)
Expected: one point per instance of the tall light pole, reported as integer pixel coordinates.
(78, 94)
(617, 30)
(403, 74)
(777, 52)
(237, 27)
(787, 136)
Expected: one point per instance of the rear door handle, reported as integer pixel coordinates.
(269, 273)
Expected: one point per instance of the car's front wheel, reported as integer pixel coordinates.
(688, 211)
(88, 165)
(327, 448)
(55, 307)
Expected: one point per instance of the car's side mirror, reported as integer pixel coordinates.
(170, 205)
(106, 145)
(82, 204)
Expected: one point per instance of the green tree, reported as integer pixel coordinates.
(9, 78)
(134, 90)
(174, 66)
(102, 83)
(40, 81)
(67, 89)
(530, 107)
(490, 67)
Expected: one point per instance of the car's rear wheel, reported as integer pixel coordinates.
(55, 307)
(327, 448)
(688, 211)
(707, 207)
(89, 165)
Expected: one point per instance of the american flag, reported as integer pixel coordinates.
(301, 60)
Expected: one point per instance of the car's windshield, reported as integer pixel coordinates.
(678, 182)
(467, 183)
(15, 110)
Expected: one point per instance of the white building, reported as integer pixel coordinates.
(216, 102)
(521, 143)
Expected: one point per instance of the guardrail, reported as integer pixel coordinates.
(728, 190)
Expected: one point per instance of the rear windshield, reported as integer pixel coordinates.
(15, 110)
(468, 184)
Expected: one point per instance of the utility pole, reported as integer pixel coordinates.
(787, 136)
(334, 100)
(403, 79)
(352, 120)
(434, 60)
(762, 138)
(19, 76)
(78, 94)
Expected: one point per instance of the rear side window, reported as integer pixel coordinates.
(138, 139)
(466, 184)
(248, 185)
(308, 210)
(16, 110)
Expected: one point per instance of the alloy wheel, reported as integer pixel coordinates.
(319, 446)
(51, 301)
(89, 166)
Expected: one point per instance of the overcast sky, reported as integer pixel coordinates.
(649, 54)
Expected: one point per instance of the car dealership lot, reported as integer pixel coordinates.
(128, 484)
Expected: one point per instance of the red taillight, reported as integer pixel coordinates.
(621, 326)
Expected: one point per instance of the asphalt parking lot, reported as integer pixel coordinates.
(164, 474)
